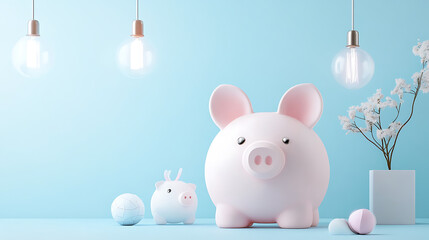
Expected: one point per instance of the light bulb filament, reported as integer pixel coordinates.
(33, 54)
(352, 73)
(136, 54)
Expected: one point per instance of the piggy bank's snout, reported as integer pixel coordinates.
(263, 160)
(186, 198)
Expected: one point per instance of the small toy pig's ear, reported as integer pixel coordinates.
(158, 184)
(227, 103)
(302, 102)
(193, 186)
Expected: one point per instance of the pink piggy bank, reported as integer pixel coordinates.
(267, 167)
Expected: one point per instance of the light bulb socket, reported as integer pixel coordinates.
(353, 39)
(33, 28)
(137, 29)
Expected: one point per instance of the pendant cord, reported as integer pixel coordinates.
(137, 9)
(33, 9)
(353, 14)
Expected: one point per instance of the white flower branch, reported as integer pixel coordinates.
(370, 112)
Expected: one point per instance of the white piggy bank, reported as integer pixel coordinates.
(174, 201)
(267, 167)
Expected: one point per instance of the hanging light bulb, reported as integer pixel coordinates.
(29, 55)
(353, 67)
(134, 57)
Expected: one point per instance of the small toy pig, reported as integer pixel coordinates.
(267, 167)
(174, 201)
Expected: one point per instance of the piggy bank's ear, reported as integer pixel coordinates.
(158, 184)
(227, 103)
(302, 102)
(193, 186)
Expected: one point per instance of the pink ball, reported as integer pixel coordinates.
(362, 221)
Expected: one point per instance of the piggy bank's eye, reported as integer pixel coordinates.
(285, 140)
(241, 140)
(168, 190)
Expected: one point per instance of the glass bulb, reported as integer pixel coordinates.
(353, 67)
(134, 58)
(30, 56)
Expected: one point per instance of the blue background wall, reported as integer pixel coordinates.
(75, 139)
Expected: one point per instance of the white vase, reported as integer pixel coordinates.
(392, 196)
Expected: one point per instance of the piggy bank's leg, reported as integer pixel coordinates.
(229, 217)
(296, 217)
(190, 220)
(315, 217)
(159, 220)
